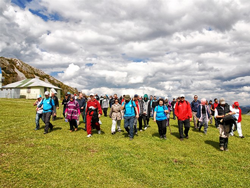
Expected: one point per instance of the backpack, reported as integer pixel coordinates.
(50, 101)
(179, 102)
(131, 106)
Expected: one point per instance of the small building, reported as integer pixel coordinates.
(30, 88)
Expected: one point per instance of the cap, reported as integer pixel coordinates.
(127, 97)
(136, 95)
(222, 101)
(68, 93)
(46, 93)
(236, 104)
(39, 96)
(182, 95)
(91, 94)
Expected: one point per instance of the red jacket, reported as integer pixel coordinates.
(95, 104)
(183, 110)
(240, 118)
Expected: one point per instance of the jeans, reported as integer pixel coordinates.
(135, 125)
(105, 111)
(38, 116)
(186, 124)
(129, 125)
(204, 123)
(162, 127)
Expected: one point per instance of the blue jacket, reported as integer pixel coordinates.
(194, 105)
(48, 105)
(160, 114)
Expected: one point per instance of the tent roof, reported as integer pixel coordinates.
(35, 82)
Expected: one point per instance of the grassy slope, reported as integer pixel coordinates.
(63, 159)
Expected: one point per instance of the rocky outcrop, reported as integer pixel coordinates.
(14, 70)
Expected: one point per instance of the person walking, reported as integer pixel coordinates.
(116, 116)
(173, 106)
(145, 113)
(65, 101)
(105, 105)
(183, 113)
(130, 113)
(48, 107)
(94, 112)
(222, 110)
(214, 106)
(82, 102)
(54, 97)
(39, 113)
(203, 115)
(72, 112)
(194, 106)
(236, 110)
(160, 118)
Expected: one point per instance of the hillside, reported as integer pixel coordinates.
(14, 70)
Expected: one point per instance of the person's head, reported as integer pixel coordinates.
(196, 97)
(173, 99)
(216, 100)
(145, 97)
(39, 97)
(160, 102)
(222, 101)
(136, 97)
(210, 101)
(178, 99)
(116, 101)
(115, 96)
(203, 101)
(105, 96)
(182, 97)
(92, 97)
(151, 97)
(236, 104)
(46, 94)
(72, 97)
(166, 99)
(127, 98)
(80, 95)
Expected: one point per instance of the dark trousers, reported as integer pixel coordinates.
(83, 116)
(64, 108)
(145, 119)
(216, 123)
(186, 124)
(162, 127)
(72, 124)
(105, 111)
(46, 119)
(173, 114)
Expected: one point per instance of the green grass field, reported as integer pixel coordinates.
(28, 158)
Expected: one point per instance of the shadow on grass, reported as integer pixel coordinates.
(57, 128)
(155, 135)
(176, 134)
(212, 143)
(126, 134)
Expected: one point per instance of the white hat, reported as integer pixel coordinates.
(92, 94)
(166, 98)
(182, 95)
(39, 96)
(46, 93)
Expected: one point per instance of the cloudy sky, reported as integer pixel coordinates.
(158, 47)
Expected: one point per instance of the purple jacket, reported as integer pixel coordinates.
(72, 110)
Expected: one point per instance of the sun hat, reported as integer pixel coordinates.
(222, 101)
(127, 97)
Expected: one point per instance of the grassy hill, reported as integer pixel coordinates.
(28, 158)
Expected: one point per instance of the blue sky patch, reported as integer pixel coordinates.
(20, 3)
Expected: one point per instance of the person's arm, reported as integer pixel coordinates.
(123, 105)
(100, 109)
(231, 110)
(53, 107)
(155, 115)
(136, 110)
(35, 103)
(111, 111)
(189, 112)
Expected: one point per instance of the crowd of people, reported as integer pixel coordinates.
(135, 109)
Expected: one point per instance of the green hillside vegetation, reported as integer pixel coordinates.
(10, 67)
(28, 158)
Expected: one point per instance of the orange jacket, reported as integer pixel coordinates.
(183, 110)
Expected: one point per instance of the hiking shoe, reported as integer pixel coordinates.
(136, 133)
(181, 139)
(164, 137)
(45, 132)
(99, 132)
(222, 148)
(89, 135)
(113, 133)
(145, 128)
(242, 137)
(119, 130)
(130, 138)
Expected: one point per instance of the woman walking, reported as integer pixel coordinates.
(116, 115)
(161, 118)
(72, 113)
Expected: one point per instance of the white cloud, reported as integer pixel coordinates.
(157, 47)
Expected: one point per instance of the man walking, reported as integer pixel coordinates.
(55, 99)
(194, 106)
(173, 106)
(39, 113)
(48, 107)
(184, 115)
(129, 115)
